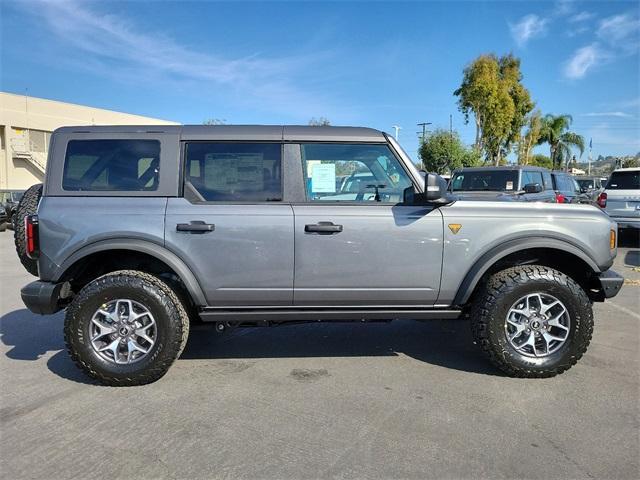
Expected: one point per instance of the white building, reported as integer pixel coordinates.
(26, 124)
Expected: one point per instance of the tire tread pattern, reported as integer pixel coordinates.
(28, 206)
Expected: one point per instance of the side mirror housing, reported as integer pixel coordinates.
(435, 192)
(532, 188)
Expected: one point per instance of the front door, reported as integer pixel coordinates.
(356, 243)
(231, 227)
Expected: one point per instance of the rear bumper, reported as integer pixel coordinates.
(611, 283)
(43, 298)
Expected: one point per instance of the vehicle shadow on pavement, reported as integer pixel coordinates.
(447, 343)
(31, 336)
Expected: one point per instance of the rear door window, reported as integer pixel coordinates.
(111, 165)
(235, 172)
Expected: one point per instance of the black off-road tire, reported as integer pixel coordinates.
(28, 206)
(171, 320)
(492, 303)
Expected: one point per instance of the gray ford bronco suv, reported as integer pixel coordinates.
(139, 230)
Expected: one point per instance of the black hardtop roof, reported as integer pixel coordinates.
(510, 168)
(243, 132)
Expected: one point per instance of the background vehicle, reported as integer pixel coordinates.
(138, 230)
(9, 200)
(621, 197)
(516, 183)
(591, 186)
(567, 189)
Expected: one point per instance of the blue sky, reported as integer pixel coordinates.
(375, 64)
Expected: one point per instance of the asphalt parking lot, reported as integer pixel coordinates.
(397, 400)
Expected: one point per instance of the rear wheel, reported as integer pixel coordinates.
(126, 328)
(532, 321)
(28, 206)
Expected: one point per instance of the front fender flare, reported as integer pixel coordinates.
(137, 245)
(490, 257)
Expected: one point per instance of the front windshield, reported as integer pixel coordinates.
(485, 181)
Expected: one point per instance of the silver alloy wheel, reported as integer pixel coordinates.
(122, 331)
(537, 325)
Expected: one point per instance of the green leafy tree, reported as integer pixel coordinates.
(319, 122)
(492, 91)
(555, 131)
(540, 160)
(442, 151)
(530, 138)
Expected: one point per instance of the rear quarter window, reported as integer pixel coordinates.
(111, 165)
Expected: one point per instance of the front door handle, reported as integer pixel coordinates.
(323, 228)
(195, 226)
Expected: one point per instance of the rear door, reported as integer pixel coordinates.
(231, 225)
(356, 242)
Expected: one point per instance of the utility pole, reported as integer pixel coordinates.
(590, 148)
(397, 129)
(424, 129)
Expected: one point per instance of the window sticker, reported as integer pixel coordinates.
(323, 178)
(310, 165)
(224, 171)
(509, 186)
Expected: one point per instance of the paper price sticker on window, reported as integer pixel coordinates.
(509, 186)
(323, 178)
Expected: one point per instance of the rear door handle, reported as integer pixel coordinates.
(323, 228)
(195, 226)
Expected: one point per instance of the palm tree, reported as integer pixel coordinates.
(555, 132)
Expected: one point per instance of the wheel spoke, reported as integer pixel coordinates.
(555, 322)
(531, 340)
(133, 346)
(546, 308)
(550, 337)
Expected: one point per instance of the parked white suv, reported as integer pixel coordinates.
(621, 197)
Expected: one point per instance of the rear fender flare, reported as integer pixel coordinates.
(149, 248)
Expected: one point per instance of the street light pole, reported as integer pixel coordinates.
(397, 129)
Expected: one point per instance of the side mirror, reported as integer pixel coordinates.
(435, 191)
(532, 188)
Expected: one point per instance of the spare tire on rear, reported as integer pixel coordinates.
(28, 206)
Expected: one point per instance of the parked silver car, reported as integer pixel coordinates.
(621, 197)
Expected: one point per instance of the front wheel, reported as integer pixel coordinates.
(126, 328)
(532, 321)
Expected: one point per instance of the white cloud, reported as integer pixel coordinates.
(607, 114)
(619, 28)
(581, 17)
(583, 60)
(114, 45)
(563, 7)
(529, 26)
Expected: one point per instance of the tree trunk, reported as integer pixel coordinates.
(478, 144)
